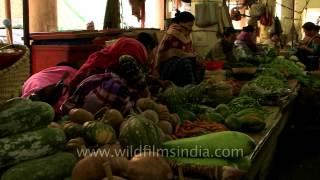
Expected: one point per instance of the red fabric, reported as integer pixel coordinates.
(214, 65)
(108, 58)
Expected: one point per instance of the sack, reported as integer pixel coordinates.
(206, 14)
(257, 9)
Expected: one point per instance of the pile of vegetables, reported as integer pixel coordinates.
(28, 148)
(289, 69)
(242, 102)
(271, 72)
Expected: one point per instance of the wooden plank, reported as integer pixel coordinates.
(8, 17)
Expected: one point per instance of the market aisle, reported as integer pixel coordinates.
(298, 152)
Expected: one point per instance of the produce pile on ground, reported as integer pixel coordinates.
(86, 146)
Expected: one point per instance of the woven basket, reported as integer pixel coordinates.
(13, 77)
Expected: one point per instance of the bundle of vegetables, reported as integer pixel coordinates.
(243, 102)
(216, 93)
(265, 89)
(270, 72)
(270, 51)
(248, 120)
(197, 128)
(196, 109)
(288, 68)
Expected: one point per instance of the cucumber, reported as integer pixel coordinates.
(21, 115)
(57, 166)
(30, 145)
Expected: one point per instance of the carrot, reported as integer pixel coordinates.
(188, 122)
(177, 128)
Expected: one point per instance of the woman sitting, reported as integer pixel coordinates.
(224, 47)
(309, 49)
(176, 59)
(246, 43)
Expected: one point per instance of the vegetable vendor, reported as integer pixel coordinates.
(246, 43)
(309, 50)
(273, 41)
(176, 59)
(224, 48)
(107, 59)
(42, 85)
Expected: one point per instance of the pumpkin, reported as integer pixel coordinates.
(163, 112)
(174, 119)
(54, 125)
(113, 117)
(145, 103)
(79, 115)
(151, 115)
(75, 146)
(89, 168)
(92, 166)
(149, 165)
(165, 126)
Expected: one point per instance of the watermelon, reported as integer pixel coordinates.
(73, 130)
(30, 145)
(96, 132)
(53, 167)
(138, 132)
(20, 115)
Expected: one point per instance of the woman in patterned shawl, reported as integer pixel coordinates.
(176, 59)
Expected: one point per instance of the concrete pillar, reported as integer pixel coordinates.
(43, 15)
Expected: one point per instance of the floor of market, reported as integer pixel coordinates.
(298, 152)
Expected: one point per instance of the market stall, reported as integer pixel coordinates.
(225, 127)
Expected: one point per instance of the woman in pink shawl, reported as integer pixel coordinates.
(42, 85)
